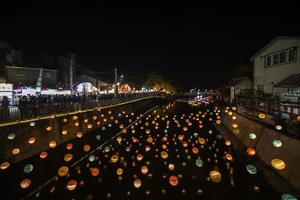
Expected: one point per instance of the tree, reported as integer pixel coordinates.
(157, 81)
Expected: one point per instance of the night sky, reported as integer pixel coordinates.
(197, 45)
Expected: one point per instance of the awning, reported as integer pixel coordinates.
(291, 81)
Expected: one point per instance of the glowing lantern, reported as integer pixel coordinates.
(185, 128)
(144, 169)
(137, 183)
(173, 180)
(119, 139)
(119, 171)
(68, 157)
(90, 126)
(95, 171)
(261, 116)
(195, 150)
(74, 117)
(52, 144)
(218, 121)
(278, 127)
(95, 117)
(250, 151)
(228, 156)
(65, 120)
(139, 157)
(164, 155)
(64, 132)
(298, 118)
(28, 168)
(15, 151)
(278, 164)
(252, 136)
(86, 148)
(229, 113)
(25, 183)
(43, 155)
(171, 166)
(149, 139)
(227, 143)
(251, 169)
(63, 171)
(4, 165)
(11, 136)
(114, 158)
(69, 146)
(31, 140)
(32, 123)
(288, 197)
(71, 185)
(215, 176)
(49, 128)
(234, 125)
(79, 134)
(277, 143)
(199, 162)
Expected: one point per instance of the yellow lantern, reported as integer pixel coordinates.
(63, 171)
(278, 164)
(215, 176)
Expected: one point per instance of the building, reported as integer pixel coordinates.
(28, 76)
(277, 61)
(239, 86)
(87, 82)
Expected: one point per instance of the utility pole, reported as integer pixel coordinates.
(116, 81)
(71, 75)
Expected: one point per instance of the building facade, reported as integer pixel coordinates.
(279, 59)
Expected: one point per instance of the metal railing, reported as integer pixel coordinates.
(30, 111)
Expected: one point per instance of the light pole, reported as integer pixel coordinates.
(116, 82)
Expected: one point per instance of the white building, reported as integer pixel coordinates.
(276, 63)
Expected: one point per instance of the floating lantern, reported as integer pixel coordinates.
(252, 136)
(86, 148)
(277, 143)
(119, 171)
(195, 150)
(92, 158)
(164, 154)
(90, 126)
(228, 156)
(31, 140)
(114, 158)
(43, 154)
(171, 166)
(139, 157)
(199, 162)
(28, 168)
(71, 185)
(215, 176)
(49, 128)
(52, 144)
(250, 151)
(234, 125)
(65, 120)
(15, 151)
(261, 116)
(69, 146)
(95, 171)
(11, 136)
(95, 117)
(229, 113)
(288, 197)
(201, 140)
(149, 139)
(68, 157)
(173, 180)
(63, 171)
(144, 169)
(137, 183)
(227, 143)
(278, 164)
(64, 132)
(25, 183)
(74, 117)
(4, 165)
(278, 127)
(251, 169)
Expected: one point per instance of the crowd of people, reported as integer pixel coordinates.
(34, 105)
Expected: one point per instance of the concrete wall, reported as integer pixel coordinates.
(24, 131)
(270, 76)
(289, 152)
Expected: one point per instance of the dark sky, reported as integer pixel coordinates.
(198, 45)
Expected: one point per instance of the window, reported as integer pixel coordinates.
(282, 57)
(47, 74)
(20, 72)
(269, 60)
(260, 88)
(292, 55)
(275, 59)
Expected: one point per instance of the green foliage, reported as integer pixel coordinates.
(160, 83)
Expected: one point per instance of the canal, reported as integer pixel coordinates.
(171, 151)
